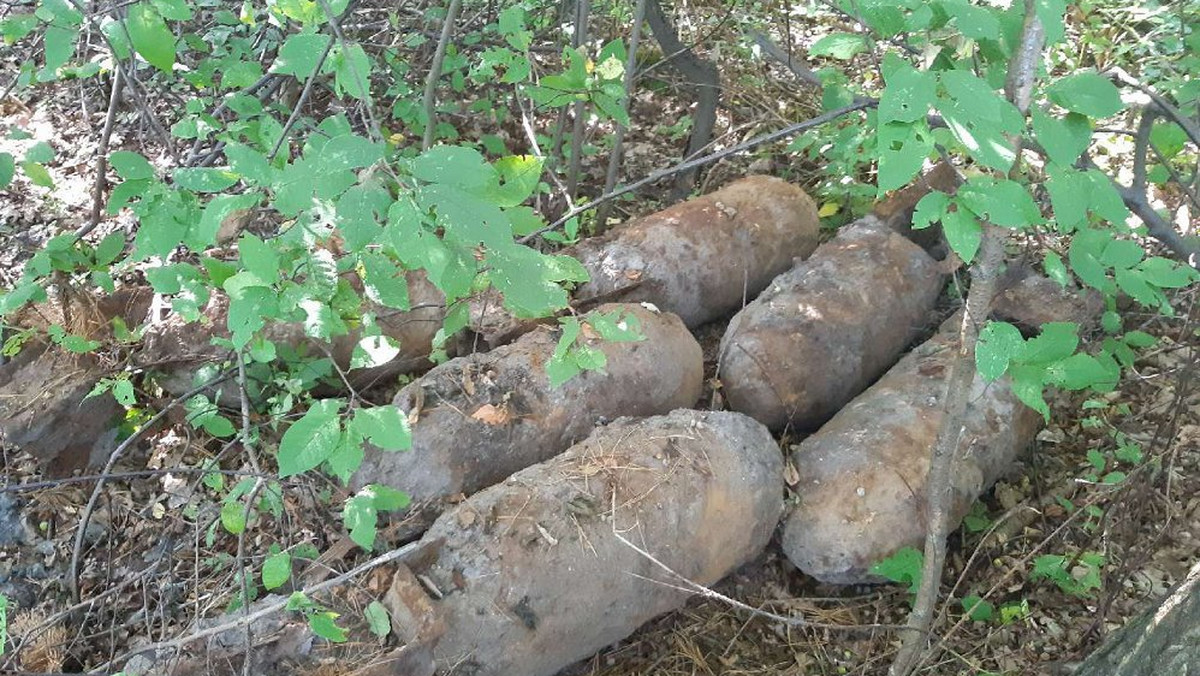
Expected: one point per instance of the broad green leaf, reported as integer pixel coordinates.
(117, 40)
(521, 275)
(37, 174)
(903, 149)
(963, 233)
(977, 23)
(258, 257)
(175, 10)
(233, 517)
(60, 46)
(1088, 94)
(7, 169)
(310, 441)
(999, 343)
(378, 620)
(1070, 193)
(40, 152)
(300, 54)
(389, 499)
(1055, 269)
(456, 166)
(361, 518)
(908, 95)
(1028, 385)
(1056, 341)
(122, 391)
(1122, 253)
(1169, 138)
(1063, 139)
(903, 567)
(352, 72)
(1087, 247)
(276, 570)
(325, 625)
(204, 234)
(359, 212)
(131, 166)
(249, 163)
(520, 175)
(383, 281)
(204, 179)
(843, 46)
(1134, 283)
(110, 247)
(1168, 274)
(384, 426)
(1080, 371)
(150, 36)
(1003, 202)
(16, 26)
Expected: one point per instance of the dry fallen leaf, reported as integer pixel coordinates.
(492, 415)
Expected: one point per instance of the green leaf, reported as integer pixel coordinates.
(908, 95)
(325, 625)
(123, 392)
(1003, 202)
(456, 166)
(110, 247)
(352, 72)
(258, 258)
(1063, 139)
(131, 166)
(204, 234)
(204, 179)
(1058, 340)
(903, 149)
(977, 609)
(1027, 384)
(1055, 269)
(150, 36)
(59, 47)
(979, 118)
(1080, 371)
(378, 620)
(233, 517)
(276, 570)
(963, 233)
(1070, 196)
(175, 10)
(1168, 274)
(977, 23)
(843, 46)
(1122, 253)
(310, 441)
(904, 567)
(1088, 94)
(999, 343)
(300, 54)
(250, 164)
(40, 152)
(360, 518)
(7, 169)
(384, 426)
(389, 499)
(37, 174)
(383, 281)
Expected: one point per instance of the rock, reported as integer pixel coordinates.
(479, 418)
(541, 578)
(828, 327)
(703, 258)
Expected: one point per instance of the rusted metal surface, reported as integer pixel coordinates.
(828, 327)
(705, 257)
(534, 575)
(862, 477)
(479, 418)
(177, 349)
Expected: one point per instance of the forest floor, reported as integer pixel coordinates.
(149, 567)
